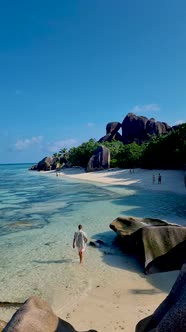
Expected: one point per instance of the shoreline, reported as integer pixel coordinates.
(121, 300)
(112, 293)
(172, 180)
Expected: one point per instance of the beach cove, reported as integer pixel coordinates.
(40, 215)
(118, 305)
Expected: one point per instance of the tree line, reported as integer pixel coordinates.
(159, 152)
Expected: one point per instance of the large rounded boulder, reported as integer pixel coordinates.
(113, 127)
(47, 164)
(160, 246)
(100, 159)
(133, 128)
(35, 315)
(156, 127)
(170, 316)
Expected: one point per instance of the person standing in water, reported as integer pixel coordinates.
(79, 241)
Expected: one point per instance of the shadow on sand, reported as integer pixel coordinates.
(113, 256)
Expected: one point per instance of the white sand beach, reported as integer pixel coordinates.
(171, 180)
(119, 302)
(123, 296)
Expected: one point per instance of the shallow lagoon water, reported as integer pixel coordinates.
(39, 215)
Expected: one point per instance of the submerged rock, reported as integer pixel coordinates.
(159, 245)
(37, 316)
(33, 168)
(93, 244)
(170, 316)
(97, 244)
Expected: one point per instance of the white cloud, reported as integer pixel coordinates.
(146, 108)
(23, 144)
(90, 124)
(58, 145)
(179, 122)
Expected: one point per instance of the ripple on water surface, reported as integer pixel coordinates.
(39, 217)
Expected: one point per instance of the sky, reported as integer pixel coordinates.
(68, 67)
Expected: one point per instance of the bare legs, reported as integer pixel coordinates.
(80, 257)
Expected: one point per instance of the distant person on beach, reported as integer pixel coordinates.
(159, 178)
(153, 179)
(79, 241)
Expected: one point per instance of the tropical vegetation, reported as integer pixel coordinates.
(163, 152)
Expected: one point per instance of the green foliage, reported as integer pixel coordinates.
(113, 163)
(80, 156)
(61, 157)
(56, 155)
(115, 147)
(130, 156)
(167, 152)
(124, 156)
(63, 153)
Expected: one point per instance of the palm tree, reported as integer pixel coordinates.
(56, 155)
(63, 152)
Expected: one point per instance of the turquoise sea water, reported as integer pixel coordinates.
(39, 215)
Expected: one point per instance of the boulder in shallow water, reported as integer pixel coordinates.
(170, 316)
(35, 315)
(47, 164)
(97, 243)
(33, 168)
(159, 245)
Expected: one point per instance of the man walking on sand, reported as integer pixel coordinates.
(79, 241)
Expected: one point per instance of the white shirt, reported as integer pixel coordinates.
(80, 239)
